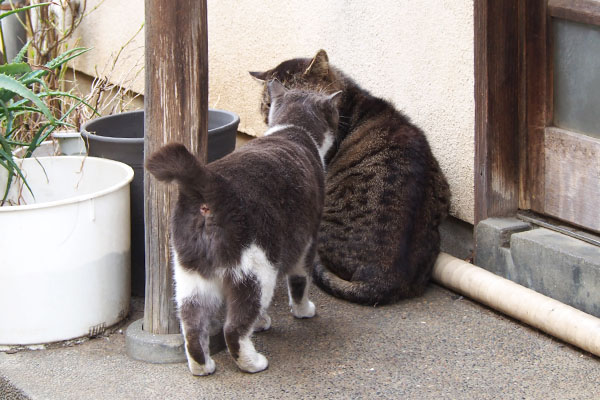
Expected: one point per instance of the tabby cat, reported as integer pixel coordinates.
(243, 219)
(385, 194)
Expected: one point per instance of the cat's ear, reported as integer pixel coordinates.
(261, 76)
(276, 89)
(335, 97)
(319, 66)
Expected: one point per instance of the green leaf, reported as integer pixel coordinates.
(21, 54)
(5, 145)
(8, 181)
(38, 138)
(21, 105)
(16, 80)
(23, 109)
(53, 64)
(17, 10)
(15, 68)
(12, 85)
(15, 143)
(13, 167)
(9, 117)
(28, 82)
(66, 57)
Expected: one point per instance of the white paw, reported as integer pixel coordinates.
(254, 363)
(305, 310)
(263, 323)
(201, 370)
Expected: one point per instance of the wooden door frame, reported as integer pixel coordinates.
(513, 99)
(498, 108)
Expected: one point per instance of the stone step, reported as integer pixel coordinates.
(556, 265)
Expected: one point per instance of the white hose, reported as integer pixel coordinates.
(551, 316)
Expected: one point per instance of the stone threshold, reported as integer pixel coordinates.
(556, 265)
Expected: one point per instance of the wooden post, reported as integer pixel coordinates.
(176, 110)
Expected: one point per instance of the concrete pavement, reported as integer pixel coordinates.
(439, 346)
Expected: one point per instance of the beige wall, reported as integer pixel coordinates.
(416, 53)
(109, 26)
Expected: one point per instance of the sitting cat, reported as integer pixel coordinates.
(385, 194)
(241, 220)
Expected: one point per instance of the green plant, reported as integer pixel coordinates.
(51, 30)
(23, 98)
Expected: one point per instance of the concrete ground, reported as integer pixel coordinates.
(439, 346)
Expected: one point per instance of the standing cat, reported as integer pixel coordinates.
(243, 219)
(385, 194)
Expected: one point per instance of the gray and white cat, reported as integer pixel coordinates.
(240, 221)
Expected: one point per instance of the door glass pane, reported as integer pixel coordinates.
(577, 76)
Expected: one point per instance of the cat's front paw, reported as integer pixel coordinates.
(255, 363)
(305, 310)
(202, 370)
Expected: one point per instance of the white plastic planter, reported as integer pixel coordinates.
(46, 149)
(65, 259)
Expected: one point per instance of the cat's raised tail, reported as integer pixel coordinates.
(173, 162)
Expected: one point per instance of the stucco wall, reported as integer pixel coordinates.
(416, 53)
(111, 28)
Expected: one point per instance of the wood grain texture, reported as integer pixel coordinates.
(536, 75)
(522, 105)
(176, 110)
(583, 11)
(573, 177)
(496, 108)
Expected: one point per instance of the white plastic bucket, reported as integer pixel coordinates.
(70, 143)
(65, 256)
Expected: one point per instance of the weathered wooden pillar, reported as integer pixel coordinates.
(176, 110)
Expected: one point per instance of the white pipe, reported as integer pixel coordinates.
(551, 316)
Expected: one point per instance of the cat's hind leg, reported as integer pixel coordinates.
(198, 301)
(195, 326)
(248, 294)
(298, 282)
